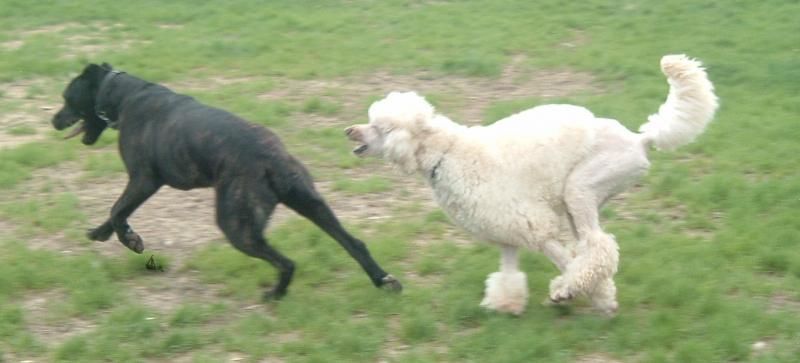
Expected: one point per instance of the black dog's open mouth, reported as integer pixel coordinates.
(77, 130)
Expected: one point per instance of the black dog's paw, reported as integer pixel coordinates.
(101, 233)
(390, 283)
(273, 295)
(133, 241)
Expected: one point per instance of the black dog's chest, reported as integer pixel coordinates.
(189, 177)
(171, 161)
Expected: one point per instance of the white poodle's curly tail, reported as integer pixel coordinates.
(689, 107)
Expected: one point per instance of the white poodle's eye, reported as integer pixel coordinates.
(383, 130)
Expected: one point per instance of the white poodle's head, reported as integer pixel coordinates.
(394, 129)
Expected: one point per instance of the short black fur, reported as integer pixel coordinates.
(166, 138)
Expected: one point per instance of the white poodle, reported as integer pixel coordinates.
(536, 179)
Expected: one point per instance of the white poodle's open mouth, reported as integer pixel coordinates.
(354, 134)
(360, 150)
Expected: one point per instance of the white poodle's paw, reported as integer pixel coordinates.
(560, 290)
(506, 292)
(607, 307)
(604, 297)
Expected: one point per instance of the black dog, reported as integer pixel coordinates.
(169, 138)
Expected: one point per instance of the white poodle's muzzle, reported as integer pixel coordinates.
(366, 136)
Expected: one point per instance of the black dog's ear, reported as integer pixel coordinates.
(107, 66)
(91, 71)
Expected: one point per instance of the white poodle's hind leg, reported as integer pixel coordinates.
(507, 290)
(604, 174)
(596, 261)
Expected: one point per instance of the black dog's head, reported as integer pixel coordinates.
(79, 104)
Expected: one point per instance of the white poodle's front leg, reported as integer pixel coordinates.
(507, 290)
(604, 297)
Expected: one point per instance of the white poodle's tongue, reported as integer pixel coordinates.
(77, 130)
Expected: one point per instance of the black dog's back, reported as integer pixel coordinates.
(189, 144)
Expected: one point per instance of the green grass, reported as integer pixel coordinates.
(103, 164)
(321, 106)
(21, 130)
(50, 214)
(709, 239)
(373, 184)
(17, 163)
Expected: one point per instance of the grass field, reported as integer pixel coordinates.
(710, 266)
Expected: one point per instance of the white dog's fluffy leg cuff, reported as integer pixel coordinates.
(604, 297)
(506, 292)
(596, 262)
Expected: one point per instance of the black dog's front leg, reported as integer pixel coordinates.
(136, 192)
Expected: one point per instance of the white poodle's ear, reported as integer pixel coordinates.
(407, 110)
(400, 148)
(421, 109)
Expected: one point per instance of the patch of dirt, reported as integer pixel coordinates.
(166, 291)
(36, 309)
(47, 29)
(672, 214)
(30, 109)
(172, 222)
(88, 40)
(596, 358)
(463, 99)
(12, 45)
(170, 26)
(405, 190)
(92, 44)
(784, 302)
(206, 84)
(579, 39)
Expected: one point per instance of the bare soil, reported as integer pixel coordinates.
(23, 105)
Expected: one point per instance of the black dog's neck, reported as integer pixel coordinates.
(102, 100)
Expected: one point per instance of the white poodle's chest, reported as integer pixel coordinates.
(499, 212)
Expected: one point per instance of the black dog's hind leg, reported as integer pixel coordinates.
(305, 200)
(136, 192)
(102, 232)
(242, 214)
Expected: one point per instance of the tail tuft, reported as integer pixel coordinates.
(689, 108)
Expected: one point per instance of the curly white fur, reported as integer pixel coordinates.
(536, 179)
(689, 107)
(506, 292)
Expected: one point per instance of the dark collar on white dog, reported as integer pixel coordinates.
(434, 169)
(98, 107)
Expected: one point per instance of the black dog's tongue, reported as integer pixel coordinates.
(77, 130)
